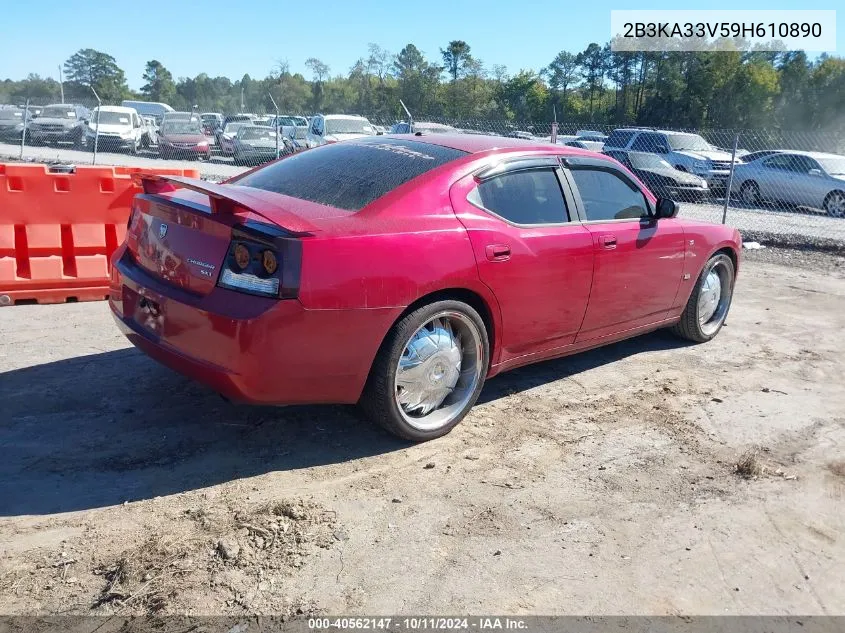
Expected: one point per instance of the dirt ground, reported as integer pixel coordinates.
(648, 477)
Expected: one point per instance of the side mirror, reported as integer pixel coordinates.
(662, 149)
(815, 172)
(665, 208)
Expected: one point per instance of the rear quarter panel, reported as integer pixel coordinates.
(702, 240)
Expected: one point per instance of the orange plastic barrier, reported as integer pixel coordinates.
(58, 230)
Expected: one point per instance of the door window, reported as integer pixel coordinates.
(523, 197)
(607, 195)
(649, 142)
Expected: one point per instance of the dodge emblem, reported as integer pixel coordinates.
(162, 231)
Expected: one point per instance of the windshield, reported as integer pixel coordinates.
(111, 118)
(349, 126)
(232, 128)
(688, 141)
(11, 114)
(58, 112)
(253, 133)
(181, 127)
(647, 161)
(833, 165)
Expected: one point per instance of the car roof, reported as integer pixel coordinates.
(476, 143)
(344, 116)
(800, 152)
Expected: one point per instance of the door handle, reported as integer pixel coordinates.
(608, 241)
(498, 252)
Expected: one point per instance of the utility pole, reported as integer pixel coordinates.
(242, 98)
(61, 83)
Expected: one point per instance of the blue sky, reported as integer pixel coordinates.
(225, 38)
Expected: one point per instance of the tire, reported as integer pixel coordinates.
(81, 142)
(692, 326)
(421, 341)
(133, 150)
(749, 193)
(834, 204)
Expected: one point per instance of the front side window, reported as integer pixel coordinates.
(523, 197)
(608, 196)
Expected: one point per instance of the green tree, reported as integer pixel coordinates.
(89, 68)
(160, 85)
(455, 57)
(562, 73)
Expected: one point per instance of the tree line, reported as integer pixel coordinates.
(709, 89)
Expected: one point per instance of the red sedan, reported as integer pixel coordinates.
(401, 272)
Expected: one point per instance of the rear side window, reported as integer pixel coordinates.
(352, 174)
(608, 196)
(619, 138)
(523, 197)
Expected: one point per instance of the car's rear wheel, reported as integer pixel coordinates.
(834, 204)
(429, 371)
(709, 302)
(749, 192)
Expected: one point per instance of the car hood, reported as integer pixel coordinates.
(183, 138)
(64, 122)
(111, 128)
(263, 143)
(680, 177)
(715, 154)
(345, 137)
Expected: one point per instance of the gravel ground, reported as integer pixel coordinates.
(807, 227)
(648, 477)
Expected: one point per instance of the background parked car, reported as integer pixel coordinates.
(226, 136)
(11, 124)
(256, 144)
(149, 136)
(403, 127)
(115, 128)
(331, 128)
(661, 178)
(683, 150)
(61, 123)
(808, 179)
(180, 137)
(593, 146)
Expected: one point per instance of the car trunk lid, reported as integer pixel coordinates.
(180, 229)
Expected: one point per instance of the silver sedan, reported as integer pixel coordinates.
(808, 179)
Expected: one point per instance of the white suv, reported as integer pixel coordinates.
(683, 150)
(119, 128)
(331, 128)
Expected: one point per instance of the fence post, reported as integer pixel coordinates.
(730, 180)
(276, 124)
(25, 126)
(96, 126)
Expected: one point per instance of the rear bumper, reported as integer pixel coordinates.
(249, 349)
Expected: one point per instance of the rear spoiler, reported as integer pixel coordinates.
(226, 200)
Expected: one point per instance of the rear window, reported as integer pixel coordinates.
(352, 174)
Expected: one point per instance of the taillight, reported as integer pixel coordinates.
(251, 267)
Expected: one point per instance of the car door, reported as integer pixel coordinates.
(808, 189)
(775, 178)
(638, 260)
(531, 251)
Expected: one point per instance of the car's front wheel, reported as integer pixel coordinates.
(749, 193)
(429, 371)
(709, 302)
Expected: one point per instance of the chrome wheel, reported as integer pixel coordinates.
(714, 297)
(835, 205)
(750, 193)
(438, 371)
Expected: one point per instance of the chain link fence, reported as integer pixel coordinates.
(773, 185)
